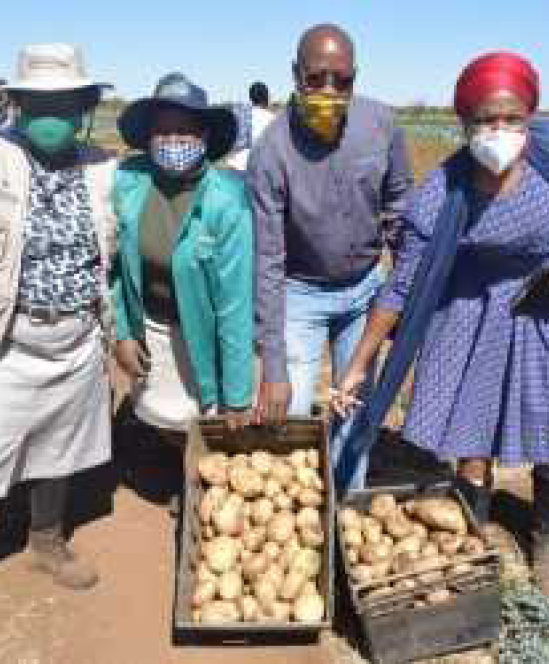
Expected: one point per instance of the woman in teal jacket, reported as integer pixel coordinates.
(183, 281)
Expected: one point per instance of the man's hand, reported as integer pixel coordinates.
(133, 358)
(273, 402)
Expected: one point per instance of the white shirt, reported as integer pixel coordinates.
(261, 117)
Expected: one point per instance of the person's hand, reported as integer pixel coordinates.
(343, 398)
(237, 418)
(133, 358)
(273, 401)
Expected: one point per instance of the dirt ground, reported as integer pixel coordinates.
(121, 521)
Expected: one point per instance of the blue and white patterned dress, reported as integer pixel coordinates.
(482, 378)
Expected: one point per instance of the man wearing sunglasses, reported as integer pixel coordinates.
(327, 181)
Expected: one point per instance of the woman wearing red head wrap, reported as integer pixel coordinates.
(482, 377)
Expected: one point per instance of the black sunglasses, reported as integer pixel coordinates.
(316, 80)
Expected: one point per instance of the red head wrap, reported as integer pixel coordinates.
(496, 72)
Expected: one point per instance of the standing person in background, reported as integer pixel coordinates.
(482, 377)
(184, 277)
(259, 118)
(57, 232)
(328, 179)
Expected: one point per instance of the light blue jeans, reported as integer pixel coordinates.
(316, 313)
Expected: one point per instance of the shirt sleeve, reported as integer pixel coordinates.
(233, 302)
(267, 190)
(397, 183)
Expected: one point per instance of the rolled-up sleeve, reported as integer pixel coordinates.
(397, 183)
(267, 192)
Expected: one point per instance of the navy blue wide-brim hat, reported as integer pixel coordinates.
(135, 122)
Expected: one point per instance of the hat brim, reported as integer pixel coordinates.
(134, 124)
(52, 85)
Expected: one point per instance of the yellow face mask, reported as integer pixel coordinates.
(322, 113)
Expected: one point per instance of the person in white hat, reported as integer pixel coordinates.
(57, 232)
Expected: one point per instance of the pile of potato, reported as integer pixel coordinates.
(261, 538)
(419, 542)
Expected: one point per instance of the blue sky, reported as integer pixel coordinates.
(406, 51)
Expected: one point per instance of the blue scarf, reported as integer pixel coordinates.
(429, 283)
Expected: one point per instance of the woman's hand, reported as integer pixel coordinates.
(237, 418)
(344, 398)
(133, 358)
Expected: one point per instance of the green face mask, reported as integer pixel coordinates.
(48, 133)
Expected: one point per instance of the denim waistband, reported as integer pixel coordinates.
(352, 280)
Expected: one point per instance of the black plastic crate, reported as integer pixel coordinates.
(212, 435)
(393, 632)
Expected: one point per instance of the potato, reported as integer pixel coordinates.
(281, 611)
(255, 566)
(404, 562)
(245, 481)
(429, 550)
(204, 573)
(245, 554)
(212, 499)
(397, 524)
(350, 519)
(272, 550)
(208, 532)
(289, 550)
(219, 611)
(292, 584)
(387, 540)
(195, 616)
(275, 574)
(307, 561)
(313, 458)
(212, 468)
(283, 502)
(255, 538)
(240, 459)
(281, 527)
(363, 573)
(261, 461)
(438, 596)
(449, 544)
(229, 585)
(282, 472)
(439, 513)
(371, 553)
(221, 553)
(271, 487)
(293, 490)
(309, 588)
(380, 592)
(410, 544)
(249, 608)
(420, 530)
(371, 529)
(312, 537)
(308, 517)
(228, 518)
(266, 594)
(298, 459)
(204, 592)
(352, 538)
(473, 545)
(309, 478)
(309, 497)
(308, 608)
(353, 556)
(262, 511)
(381, 568)
(382, 505)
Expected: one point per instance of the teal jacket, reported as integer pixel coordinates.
(212, 269)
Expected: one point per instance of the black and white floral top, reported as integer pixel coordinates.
(61, 262)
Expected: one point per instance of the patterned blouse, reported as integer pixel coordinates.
(61, 260)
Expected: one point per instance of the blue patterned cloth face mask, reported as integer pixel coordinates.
(178, 158)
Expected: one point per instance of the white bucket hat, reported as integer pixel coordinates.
(51, 68)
